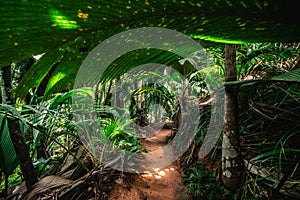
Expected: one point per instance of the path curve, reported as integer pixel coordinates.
(161, 184)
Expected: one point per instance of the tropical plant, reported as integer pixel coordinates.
(116, 130)
(269, 133)
(70, 33)
(203, 184)
(258, 60)
(8, 157)
(67, 31)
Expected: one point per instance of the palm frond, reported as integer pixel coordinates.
(30, 28)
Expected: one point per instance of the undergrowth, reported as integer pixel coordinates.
(204, 185)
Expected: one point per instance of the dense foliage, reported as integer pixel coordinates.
(36, 93)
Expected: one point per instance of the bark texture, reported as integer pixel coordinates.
(232, 165)
(22, 152)
(18, 141)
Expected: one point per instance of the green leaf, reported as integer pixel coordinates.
(33, 27)
(65, 73)
(66, 70)
(293, 76)
(38, 26)
(14, 112)
(62, 21)
(39, 70)
(8, 157)
(60, 98)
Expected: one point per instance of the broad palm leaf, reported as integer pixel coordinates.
(34, 27)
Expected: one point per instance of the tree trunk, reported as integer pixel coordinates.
(117, 98)
(232, 165)
(18, 141)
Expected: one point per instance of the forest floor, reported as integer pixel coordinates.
(160, 184)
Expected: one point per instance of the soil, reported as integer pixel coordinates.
(160, 184)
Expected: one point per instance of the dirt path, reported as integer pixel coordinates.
(161, 184)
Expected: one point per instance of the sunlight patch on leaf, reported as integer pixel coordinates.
(55, 80)
(216, 39)
(62, 21)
